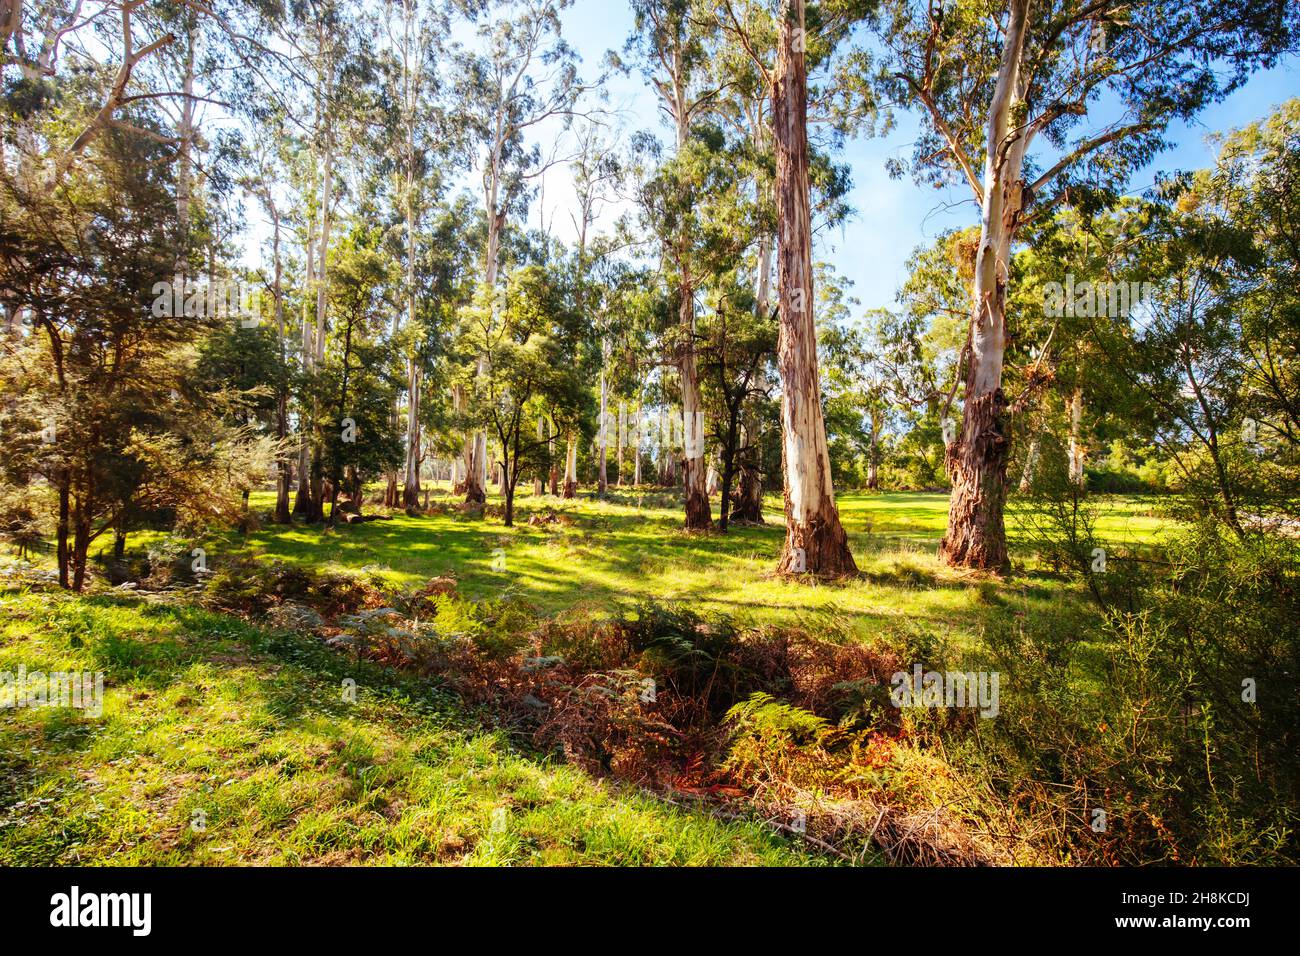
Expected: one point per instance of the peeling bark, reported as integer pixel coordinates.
(977, 465)
(815, 540)
(977, 461)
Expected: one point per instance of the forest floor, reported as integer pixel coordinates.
(225, 742)
(631, 548)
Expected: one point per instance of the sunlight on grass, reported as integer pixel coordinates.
(219, 744)
(209, 719)
(630, 548)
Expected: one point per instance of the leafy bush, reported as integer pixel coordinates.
(250, 586)
(497, 629)
(775, 741)
(20, 525)
(1147, 715)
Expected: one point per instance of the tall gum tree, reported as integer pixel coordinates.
(527, 77)
(428, 142)
(1098, 81)
(674, 56)
(745, 107)
(815, 541)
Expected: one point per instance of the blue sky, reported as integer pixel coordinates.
(892, 217)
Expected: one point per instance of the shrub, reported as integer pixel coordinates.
(250, 586)
(1146, 715)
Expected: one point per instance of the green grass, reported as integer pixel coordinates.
(206, 718)
(206, 713)
(631, 548)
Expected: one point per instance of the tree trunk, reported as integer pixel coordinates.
(539, 483)
(873, 456)
(622, 438)
(282, 514)
(977, 460)
(476, 459)
(414, 373)
(80, 548)
(316, 484)
(414, 383)
(699, 516)
(815, 541)
(1077, 452)
(602, 474)
(184, 151)
(571, 468)
(636, 451)
(475, 468)
(302, 502)
(61, 532)
(555, 471)
(322, 258)
(1031, 462)
(748, 506)
(729, 450)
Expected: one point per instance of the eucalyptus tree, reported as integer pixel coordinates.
(919, 348)
(59, 129)
(526, 76)
(424, 144)
(1209, 357)
(528, 332)
(1035, 104)
(264, 169)
(596, 170)
(672, 49)
(1257, 177)
(737, 104)
(781, 46)
(330, 50)
(356, 437)
(736, 343)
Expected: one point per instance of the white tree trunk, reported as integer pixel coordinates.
(977, 460)
(621, 440)
(571, 468)
(602, 478)
(636, 451)
(1077, 452)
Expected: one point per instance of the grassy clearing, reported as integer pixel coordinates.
(208, 718)
(631, 548)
